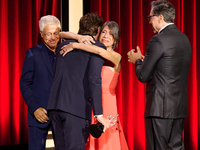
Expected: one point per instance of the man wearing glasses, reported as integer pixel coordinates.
(36, 81)
(165, 68)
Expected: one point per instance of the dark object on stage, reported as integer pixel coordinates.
(96, 130)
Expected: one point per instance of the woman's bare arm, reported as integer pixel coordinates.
(112, 56)
(80, 38)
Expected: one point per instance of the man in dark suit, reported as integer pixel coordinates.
(36, 81)
(165, 68)
(77, 87)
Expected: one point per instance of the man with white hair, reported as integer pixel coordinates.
(36, 81)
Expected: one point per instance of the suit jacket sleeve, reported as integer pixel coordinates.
(144, 70)
(95, 67)
(26, 81)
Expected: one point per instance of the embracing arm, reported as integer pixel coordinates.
(80, 38)
(114, 57)
(69, 35)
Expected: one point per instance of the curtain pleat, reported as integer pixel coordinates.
(19, 31)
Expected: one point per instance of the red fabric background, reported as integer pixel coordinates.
(19, 31)
(131, 15)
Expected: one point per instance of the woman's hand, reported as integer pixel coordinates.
(86, 39)
(66, 49)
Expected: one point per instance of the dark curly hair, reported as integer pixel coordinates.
(89, 24)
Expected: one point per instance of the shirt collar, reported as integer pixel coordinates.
(165, 27)
(49, 51)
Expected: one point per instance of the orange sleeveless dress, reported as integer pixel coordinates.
(113, 138)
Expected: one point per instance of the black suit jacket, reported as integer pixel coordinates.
(165, 69)
(36, 81)
(77, 82)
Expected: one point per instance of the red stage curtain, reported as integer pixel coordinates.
(19, 31)
(131, 15)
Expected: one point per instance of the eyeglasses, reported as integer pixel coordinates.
(49, 34)
(149, 17)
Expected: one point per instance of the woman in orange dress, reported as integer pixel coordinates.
(113, 138)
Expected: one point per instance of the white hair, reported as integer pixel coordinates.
(46, 20)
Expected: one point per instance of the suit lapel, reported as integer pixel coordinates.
(46, 58)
